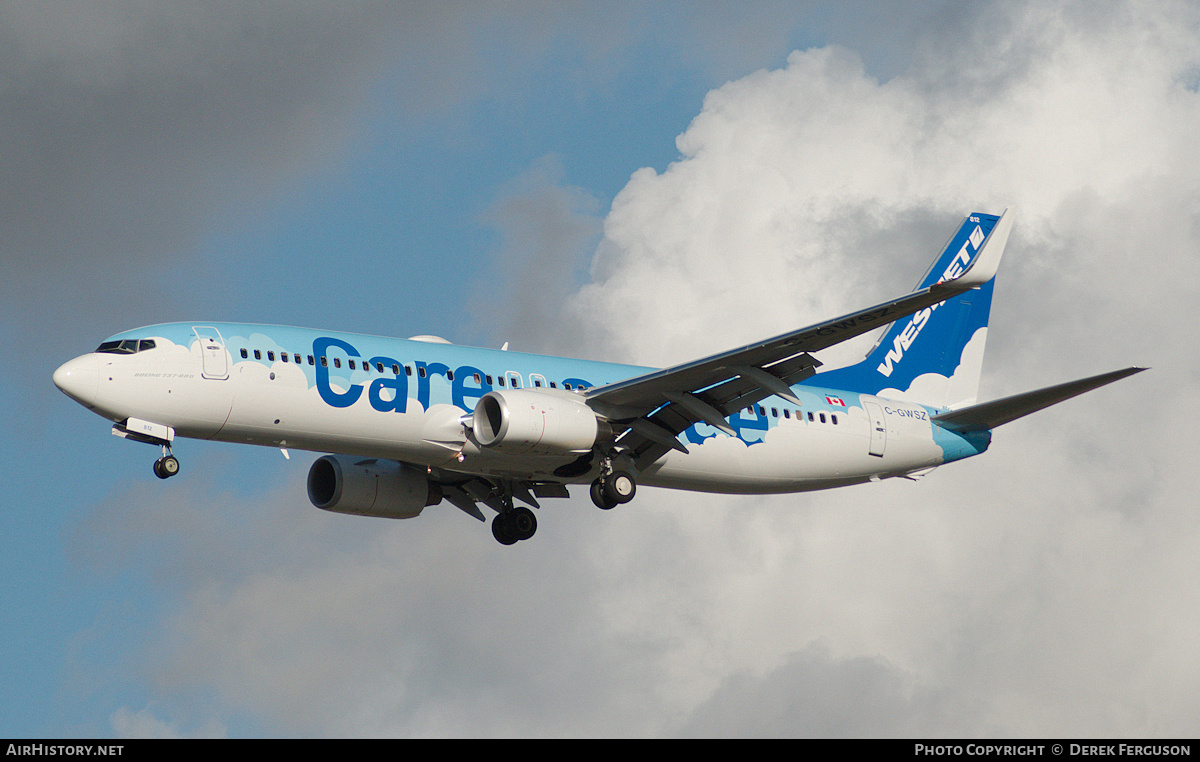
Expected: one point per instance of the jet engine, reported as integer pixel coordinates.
(370, 487)
(536, 422)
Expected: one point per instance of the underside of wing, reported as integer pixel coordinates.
(498, 494)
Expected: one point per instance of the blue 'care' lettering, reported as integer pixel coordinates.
(389, 393)
(335, 399)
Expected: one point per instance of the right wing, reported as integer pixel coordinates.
(656, 407)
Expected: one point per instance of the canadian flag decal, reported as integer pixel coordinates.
(835, 400)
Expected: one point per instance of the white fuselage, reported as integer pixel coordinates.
(410, 401)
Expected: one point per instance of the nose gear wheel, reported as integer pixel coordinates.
(166, 466)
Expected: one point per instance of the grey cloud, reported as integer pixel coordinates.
(134, 130)
(109, 138)
(814, 695)
(547, 231)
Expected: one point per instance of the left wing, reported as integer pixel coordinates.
(989, 415)
(656, 407)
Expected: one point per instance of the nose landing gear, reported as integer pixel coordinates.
(148, 432)
(166, 466)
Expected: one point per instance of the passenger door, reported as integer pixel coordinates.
(878, 427)
(212, 350)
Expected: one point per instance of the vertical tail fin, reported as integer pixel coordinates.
(935, 356)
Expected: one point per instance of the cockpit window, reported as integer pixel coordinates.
(125, 346)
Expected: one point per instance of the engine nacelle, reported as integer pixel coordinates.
(535, 422)
(370, 487)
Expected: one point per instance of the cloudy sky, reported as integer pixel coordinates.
(632, 182)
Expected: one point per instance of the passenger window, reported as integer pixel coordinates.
(297, 356)
(311, 360)
(283, 356)
(337, 362)
(258, 354)
(834, 417)
(822, 418)
(245, 354)
(352, 365)
(324, 361)
(774, 412)
(810, 416)
(271, 355)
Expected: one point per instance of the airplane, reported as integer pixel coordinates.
(413, 422)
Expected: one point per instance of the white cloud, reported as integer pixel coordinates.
(1009, 593)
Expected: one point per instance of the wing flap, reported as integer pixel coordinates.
(459, 498)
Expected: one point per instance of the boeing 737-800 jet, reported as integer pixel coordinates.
(417, 421)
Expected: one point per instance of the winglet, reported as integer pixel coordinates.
(987, 261)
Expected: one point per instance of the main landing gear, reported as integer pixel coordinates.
(513, 525)
(166, 466)
(615, 487)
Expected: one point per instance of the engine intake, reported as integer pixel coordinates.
(535, 422)
(370, 487)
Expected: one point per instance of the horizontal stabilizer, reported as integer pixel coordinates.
(989, 415)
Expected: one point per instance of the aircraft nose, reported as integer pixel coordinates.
(79, 379)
